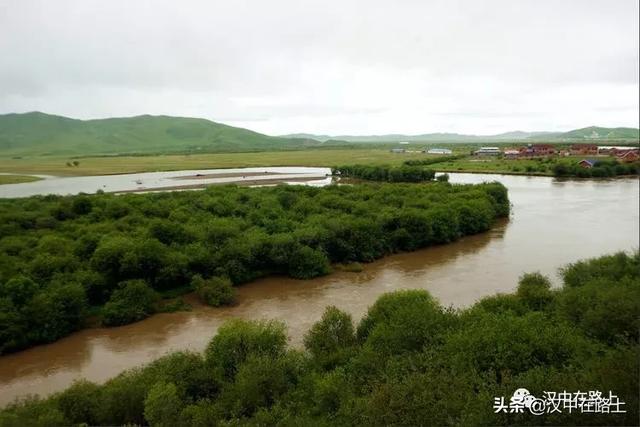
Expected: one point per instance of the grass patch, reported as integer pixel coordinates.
(325, 157)
(129, 164)
(17, 179)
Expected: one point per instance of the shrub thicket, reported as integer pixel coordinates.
(61, 255)
(408, 362)
(601, 169)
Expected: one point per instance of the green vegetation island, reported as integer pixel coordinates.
(75, 261)
(409, 361)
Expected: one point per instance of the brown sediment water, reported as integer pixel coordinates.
(553, 223)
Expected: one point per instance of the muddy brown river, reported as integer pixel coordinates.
(553, 223)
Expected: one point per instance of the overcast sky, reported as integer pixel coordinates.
(327, 66)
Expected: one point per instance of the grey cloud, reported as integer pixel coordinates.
(325, 64)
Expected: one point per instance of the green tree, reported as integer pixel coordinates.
(331, 340)
(261, 380)
(163, 405)
(238, 339)
(132, 301)
(56, 312)
(13, 326)
(19, 290)
(306, 262)
(80, 403)
(534, 290)
(214, 291)
(404, 321)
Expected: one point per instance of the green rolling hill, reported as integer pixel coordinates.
(42, 134)
(594, 132)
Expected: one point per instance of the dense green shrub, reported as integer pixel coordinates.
(80, 402)
(443, 177)
(404, 321)
(534, 290)
(331, 340)
(93, 243)
(404, 173)
(162, 406)
(132, 301)
(214, 291)
(239, 339)
(305, 263)
(602, 168)
(413, 362)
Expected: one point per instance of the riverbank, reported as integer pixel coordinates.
(133, 247)
(137, 164)
(117, 165)
(150, 181)
(457, 274)
(17, 179)
(243, 182)
(583, 334)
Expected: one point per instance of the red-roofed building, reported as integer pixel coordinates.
(628, 156)
(587, 163)
(584, 149)
(537, 150)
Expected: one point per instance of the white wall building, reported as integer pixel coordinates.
(439, 151)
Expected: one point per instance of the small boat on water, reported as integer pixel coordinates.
(139, 181)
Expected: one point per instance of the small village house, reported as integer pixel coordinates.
(487, 151)
(583, 150)
(511, 154)
(537, 150)
(587, 163)
(398, 150)
(612, 150)
(628, 156)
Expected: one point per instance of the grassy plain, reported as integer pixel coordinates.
(368, 155)
(17, 179)
(497, 165)
(129, 164)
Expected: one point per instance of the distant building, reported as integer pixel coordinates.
(487, 151)
(587, 163)
(584, 149)
(398, 150)
(609, 149)
(511, 154)
(537, 150)
(403, 142)
(439, 151)
(628, 156)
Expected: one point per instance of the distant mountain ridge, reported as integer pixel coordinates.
(594, 132)
(588, 133)
(38, 133)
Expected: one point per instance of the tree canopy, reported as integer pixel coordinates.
(115, 255)
(408, 361)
